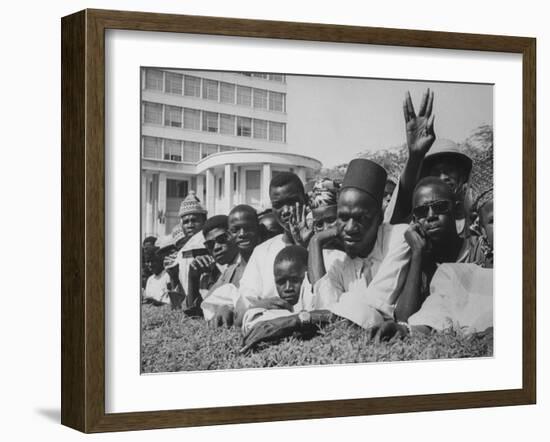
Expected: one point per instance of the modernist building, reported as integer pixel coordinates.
(222, 135)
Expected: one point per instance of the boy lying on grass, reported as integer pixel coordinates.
(293, 307)
(446, 285)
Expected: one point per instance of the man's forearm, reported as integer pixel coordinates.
(410, 301)
(193, 298)
(407, 182)
(316, 265)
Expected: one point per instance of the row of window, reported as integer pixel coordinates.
(220, 91)
(226, 124)
(156, 148)
(272, 77)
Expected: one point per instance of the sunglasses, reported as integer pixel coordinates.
(220, 239)
(441, 207)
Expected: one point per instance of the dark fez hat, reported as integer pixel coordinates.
(367, 176)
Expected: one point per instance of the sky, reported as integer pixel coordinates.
(332, 119)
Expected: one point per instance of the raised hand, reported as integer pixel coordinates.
(419, 128)
(300, 231)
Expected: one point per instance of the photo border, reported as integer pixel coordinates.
(83, 219)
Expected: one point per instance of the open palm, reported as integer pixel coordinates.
(420, 128)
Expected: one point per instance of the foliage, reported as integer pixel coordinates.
(393, 159)
(172, 342)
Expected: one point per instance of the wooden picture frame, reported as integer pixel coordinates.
(83, 220)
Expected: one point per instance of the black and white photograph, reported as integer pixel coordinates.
(294, 220)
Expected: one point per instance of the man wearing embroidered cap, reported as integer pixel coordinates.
(193, 217)
(364, 286)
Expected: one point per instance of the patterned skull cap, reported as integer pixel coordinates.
(190, 205)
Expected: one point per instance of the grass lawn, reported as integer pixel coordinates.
(171, 342)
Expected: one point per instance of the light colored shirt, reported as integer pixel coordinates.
(185, 257)
(461, 298)
(258, 280)
(157, 287)
(365, 290)
(256, 315)
(224, 292)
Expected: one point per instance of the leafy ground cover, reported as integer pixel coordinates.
(172, 342)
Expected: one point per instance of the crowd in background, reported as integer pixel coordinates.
(395, 258)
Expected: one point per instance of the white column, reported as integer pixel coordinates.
(242, 185)
(210, 191)
(265, 177)
(161, 209)
(200, 188)
(228, 187)
(147, 215)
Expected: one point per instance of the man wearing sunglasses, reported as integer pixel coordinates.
(216, 268)
(433, 239)
(219, 305)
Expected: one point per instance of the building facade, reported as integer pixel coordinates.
(222, 135)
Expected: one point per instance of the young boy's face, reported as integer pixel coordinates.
(486, 221)
(288, 280)
(244, 228)
(324, 217)
(433, 210)
(155, 263)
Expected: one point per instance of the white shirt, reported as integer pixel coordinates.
(461, 298)
(184, 259)
(258, 280)
(157, 287)
(365, 290)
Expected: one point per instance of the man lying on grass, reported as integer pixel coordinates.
(222, 251)
(446, 286)
(362, 287)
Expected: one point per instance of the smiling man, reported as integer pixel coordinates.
(219, 304)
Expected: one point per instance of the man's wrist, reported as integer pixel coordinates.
(405, 327)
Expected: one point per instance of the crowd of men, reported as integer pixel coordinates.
(395, 258)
